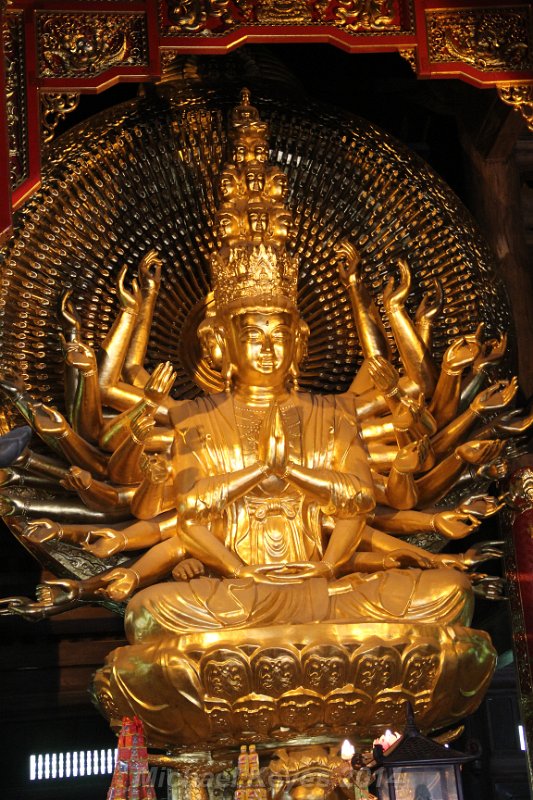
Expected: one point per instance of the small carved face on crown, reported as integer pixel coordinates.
(229, 229)
(249, 148)
(244, 112)
(258, 219)
(240, 152)
(277, 185)
(255, 178)
(229, 185)
(280, 225)
(262, 346)
(261, 152)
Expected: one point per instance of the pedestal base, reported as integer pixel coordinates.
(218, 689)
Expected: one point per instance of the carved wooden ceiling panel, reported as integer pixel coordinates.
(55, 51)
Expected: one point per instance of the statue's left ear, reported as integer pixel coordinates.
(300, 351)
(212, 343)
(302, 337)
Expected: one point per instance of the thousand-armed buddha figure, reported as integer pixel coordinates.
(279, 515)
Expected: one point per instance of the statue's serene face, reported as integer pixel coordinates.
(261, 346)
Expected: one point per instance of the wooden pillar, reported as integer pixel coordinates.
(493, 189)
(519, 569)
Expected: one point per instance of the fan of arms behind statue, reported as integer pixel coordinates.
(150, 183)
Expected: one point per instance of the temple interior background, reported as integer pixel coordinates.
(466, 134)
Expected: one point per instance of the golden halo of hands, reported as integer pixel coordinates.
(410, 414)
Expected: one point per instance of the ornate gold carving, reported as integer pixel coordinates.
(252, 219)
(211, 16)
(521, 98)
(80, 45)
(521, 488)
(318, 769)
(430, 666)
(193, 775)
(275, 670)
(13, 33)
(54, 109)
(283, 12)
(488, 39)
(366, 15)
(226, 674)
(190, 16)
(409, 54)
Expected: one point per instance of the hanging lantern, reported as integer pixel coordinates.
(418, 768)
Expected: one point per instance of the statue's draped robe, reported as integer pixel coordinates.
(285, 527)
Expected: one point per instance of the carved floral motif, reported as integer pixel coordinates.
(13, 33)
(255, 713)
(345, 707)
(191, 16)
(521, 98)
(54, 108)
(276, 12)
(226, 674)
(409, 54)
(213, 16)
(487, 39)
(275, 671)
(78, 45)
(421, 669)
(361, 15)
(325, 668)
(226, 691)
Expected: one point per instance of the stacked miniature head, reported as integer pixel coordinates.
(252, 267)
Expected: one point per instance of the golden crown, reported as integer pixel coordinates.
(252, 263)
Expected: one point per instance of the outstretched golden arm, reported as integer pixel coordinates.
(432, 486)
(370, 331)
(156, 492)
(149, 280)
(459, 355)
(154, 393)
(114, 347)
(71, 325)
(427, 312)
(496, 397)
(103, 541)
(125, 463)
(98, 495)
(415, 357)
(52, 427)
(491, 353)
(87, 418)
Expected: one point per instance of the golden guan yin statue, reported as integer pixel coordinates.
(278, 550)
